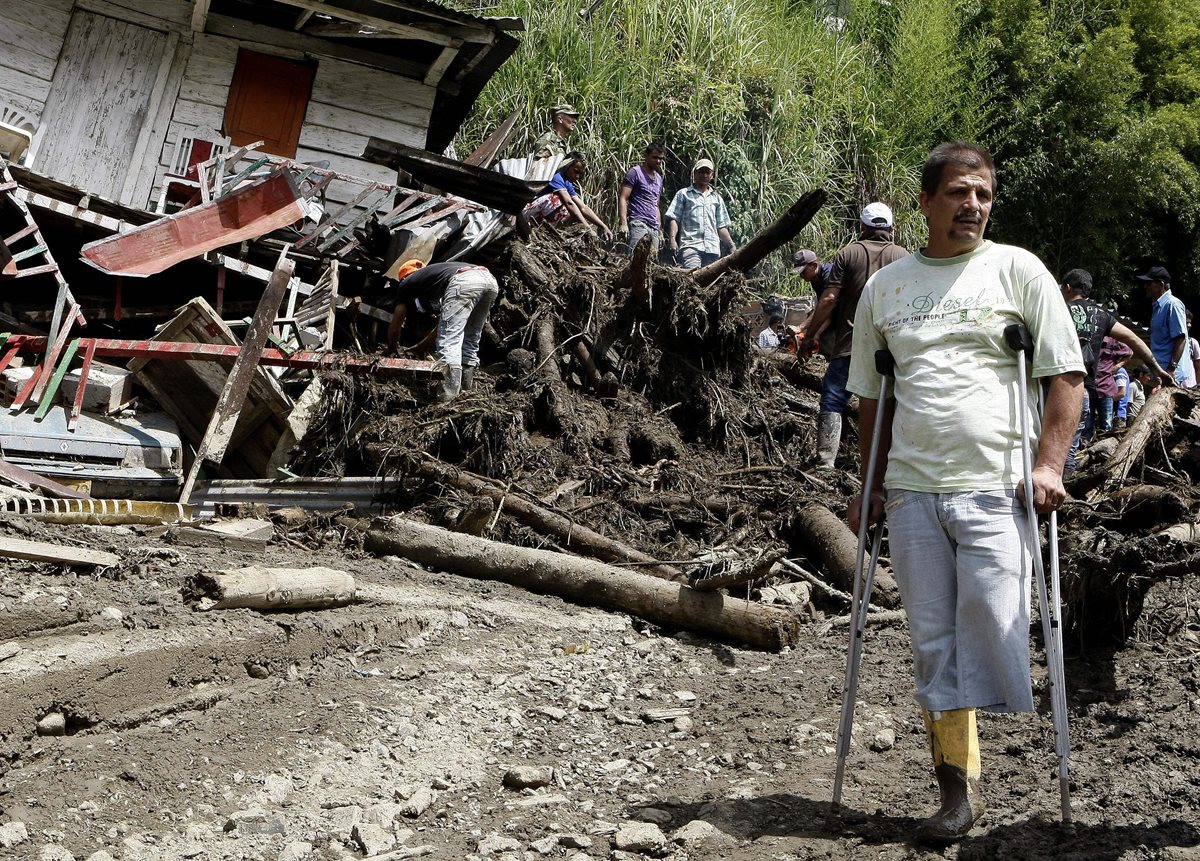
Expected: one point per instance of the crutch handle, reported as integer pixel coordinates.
(1017, 336)
(885, 363)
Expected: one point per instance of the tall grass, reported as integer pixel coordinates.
(780, 101)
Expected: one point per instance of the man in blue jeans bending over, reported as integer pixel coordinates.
(950, 459)
(458, 297)
(832, 321)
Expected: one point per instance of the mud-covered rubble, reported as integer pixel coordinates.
(671, 433)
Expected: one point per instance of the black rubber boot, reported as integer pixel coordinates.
(451, 384)
(962, 806)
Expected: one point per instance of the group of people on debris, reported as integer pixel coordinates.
(1121, 369)
(695, 225)
(444, 306)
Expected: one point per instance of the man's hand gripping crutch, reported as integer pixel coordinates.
(864, 576)
(1018, 339)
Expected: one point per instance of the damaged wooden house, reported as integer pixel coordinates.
(187, 215)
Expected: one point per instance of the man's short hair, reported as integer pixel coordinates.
(1079, 280)
(655, 146)
(775, 320)
(575, 156)
(962, 153)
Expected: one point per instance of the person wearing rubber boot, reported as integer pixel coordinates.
(459, 295)
(950, 459)
(832, 320)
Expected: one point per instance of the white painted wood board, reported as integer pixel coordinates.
(40, 551)
(98, 103)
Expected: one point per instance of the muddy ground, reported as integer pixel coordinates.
(390, 726)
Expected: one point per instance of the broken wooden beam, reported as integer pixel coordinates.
(233, 395)
(488, 187)
(40, 551)
(270, 589)
(184, 351)
(245, 535)
(573, 535)
(586, 581)
(243, 214)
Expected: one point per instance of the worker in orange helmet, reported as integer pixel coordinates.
(458, 297)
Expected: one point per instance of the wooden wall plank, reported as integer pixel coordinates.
(347, 118)
(370, 91)
(24, 91)
(161, 14)
(204, 94)
(52, 15)
(37, 40)
(30, 51)
(152, 141)
(26, 62)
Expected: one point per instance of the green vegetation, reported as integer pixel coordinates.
(1092, 112)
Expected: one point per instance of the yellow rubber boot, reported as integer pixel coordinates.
(954, 745)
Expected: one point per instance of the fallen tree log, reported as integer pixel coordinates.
(830, 540)
(586, 581)
(1144, 506)
(778, 233)
(270, 589)
(1155, 418)
(571, 535)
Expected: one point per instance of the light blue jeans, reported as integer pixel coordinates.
(465, 306)
(639, 228)
(694, 258)
(962, 561)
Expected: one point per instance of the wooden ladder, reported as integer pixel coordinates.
(43, 263)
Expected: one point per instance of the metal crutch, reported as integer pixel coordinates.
(1019, 340)
(860, 598)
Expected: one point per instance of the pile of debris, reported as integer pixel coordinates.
(628, 417)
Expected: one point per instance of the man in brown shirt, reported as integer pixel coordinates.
(832, 321)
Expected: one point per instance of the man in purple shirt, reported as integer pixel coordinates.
(637, 203)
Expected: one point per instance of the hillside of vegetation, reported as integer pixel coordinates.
(1092, 111)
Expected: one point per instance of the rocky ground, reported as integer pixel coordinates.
(455, 719)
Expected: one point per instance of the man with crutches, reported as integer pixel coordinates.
(948, 454)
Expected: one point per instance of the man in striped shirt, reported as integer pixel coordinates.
(698, 221)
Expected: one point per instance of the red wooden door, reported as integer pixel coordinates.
(267, 100)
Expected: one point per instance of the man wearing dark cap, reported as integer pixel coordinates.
(1168, 322)
(832, 321)
(554, 142)
(808, 266)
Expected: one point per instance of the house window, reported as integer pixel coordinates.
(267, 101)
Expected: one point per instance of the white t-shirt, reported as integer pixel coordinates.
(956, 426)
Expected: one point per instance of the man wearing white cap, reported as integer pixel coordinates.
(832, 321)
(698, 221)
